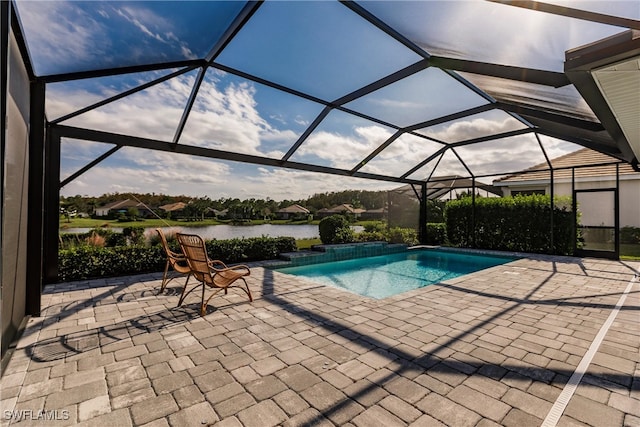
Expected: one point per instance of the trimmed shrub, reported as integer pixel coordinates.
(630, 235)
(89, 262)
(335, 229)
(403, 235)
(85, 262)
(518, 223)
(371, 236)
(436, 233)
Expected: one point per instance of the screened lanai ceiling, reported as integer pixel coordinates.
(392, 91)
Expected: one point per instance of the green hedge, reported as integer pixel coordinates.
(630, 235)
(408, 236)
(518, 223)
(436, 233)
(86, 262)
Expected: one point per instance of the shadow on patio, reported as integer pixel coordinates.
(497, 345)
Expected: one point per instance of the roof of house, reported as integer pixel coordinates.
(294, 209)
(379, 210)
(172, 207)
(562, 168)
(345, 207)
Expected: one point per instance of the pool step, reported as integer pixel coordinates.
(341, 252)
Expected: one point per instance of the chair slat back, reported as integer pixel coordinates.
(165, 244)
(196, 253)
(176, 260)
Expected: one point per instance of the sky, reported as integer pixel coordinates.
(332, 52)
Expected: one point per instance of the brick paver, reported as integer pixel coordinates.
(494, 347)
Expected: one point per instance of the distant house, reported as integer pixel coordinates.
(374, 214)
(122, 207)
(174, 209)
(536, 180)
(293, 212)
(342, 209)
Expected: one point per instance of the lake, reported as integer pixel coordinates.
(223, 232)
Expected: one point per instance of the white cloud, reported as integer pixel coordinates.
(463, 130)
(344, 151)
(136, 170)
(292, 184)
(130, 15)
(301, 121)
(401, 155)
(59, 31)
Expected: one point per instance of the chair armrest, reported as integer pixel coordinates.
(234, 268)
(176, 255)
(214, 262)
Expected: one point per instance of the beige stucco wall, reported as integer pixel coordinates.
(593, 208)
(629, 193)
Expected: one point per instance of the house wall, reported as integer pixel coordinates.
(14, 202)
(629, 193)
(593, 208)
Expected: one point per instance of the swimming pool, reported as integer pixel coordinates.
(387, 275)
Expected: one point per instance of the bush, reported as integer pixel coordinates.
(134, 235)
(518, 223)
(87, 262)
(630, 235)
(335, 229)
(374, 226)
(436, 233)
(371, 236)
(403, 235)
(95, 240)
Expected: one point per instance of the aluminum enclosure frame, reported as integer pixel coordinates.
(45, 138)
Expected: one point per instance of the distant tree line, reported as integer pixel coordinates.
(236, 208)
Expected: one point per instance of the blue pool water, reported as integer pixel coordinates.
(383, 276)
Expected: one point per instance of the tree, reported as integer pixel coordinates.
(335, 229)
(133, 213)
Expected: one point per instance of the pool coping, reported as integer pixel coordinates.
(510, 257)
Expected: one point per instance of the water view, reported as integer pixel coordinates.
(222, 232)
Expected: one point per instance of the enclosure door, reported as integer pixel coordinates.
(597, 223)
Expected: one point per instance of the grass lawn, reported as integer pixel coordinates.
(307, 243)
(147, 223)
(630, 251)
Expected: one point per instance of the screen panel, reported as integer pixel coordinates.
(495, 33)
(333, 53)
(234, 114)
(342, 140)
(73, 36)
(401, 155)
(423, 96)
(475, 126)
(151, 113)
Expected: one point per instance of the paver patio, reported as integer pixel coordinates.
(495, 347)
